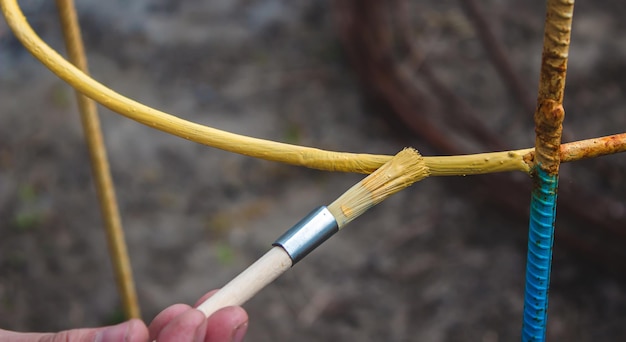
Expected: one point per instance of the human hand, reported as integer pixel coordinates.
(177, 323)
(180, 322)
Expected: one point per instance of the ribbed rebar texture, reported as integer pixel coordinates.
(538, 264)
(549, 116)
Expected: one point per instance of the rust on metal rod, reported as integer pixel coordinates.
(548, 129)
(585, 149)
(556, 41)
(549, 113)
(591, 148)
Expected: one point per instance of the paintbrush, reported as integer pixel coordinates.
(404, 169)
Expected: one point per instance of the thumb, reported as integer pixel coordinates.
(130, 331)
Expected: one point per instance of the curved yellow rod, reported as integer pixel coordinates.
(259, 148)
(519, 160)
(253, 147)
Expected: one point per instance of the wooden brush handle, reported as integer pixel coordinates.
(249, 282)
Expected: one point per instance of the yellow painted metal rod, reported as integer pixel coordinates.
(100, 165)
(519, 160)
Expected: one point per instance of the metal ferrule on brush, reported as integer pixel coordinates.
(307, 234)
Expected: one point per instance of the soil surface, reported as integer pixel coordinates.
(429, 264)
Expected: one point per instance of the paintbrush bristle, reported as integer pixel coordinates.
(404, 169)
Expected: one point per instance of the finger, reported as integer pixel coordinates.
(164, 317)
(131, 331)
(134, 330)
(205, 297)
(227, 324)
(188, 326)
(7, 335)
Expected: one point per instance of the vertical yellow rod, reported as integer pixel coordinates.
(100, 165)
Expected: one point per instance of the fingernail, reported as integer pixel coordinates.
(240, 332)
(114, 333)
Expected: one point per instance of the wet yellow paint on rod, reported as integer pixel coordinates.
(259, 148)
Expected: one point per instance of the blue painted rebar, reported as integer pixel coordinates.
(539, 259)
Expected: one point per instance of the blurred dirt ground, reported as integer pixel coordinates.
(426, 265)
